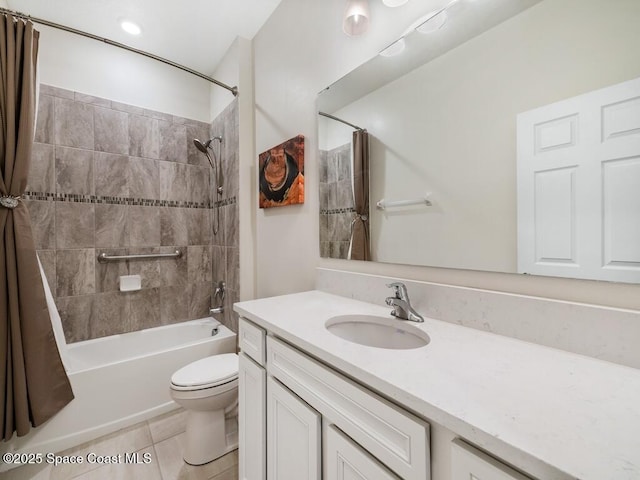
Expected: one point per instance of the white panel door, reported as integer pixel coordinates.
(346, 460)
(293, 436)
(468, 463)
(252, 419)
(579, 186)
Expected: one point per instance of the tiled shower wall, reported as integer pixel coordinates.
(337, 207)
(115, 178)
(226, 256)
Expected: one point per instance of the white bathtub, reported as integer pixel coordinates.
(120, 380)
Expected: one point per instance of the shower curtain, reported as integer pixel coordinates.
(360, 226)
(33, 383)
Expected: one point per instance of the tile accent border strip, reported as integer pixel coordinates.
(75, 198)
(335, 211)
(227, 201)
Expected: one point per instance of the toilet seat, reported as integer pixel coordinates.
(208, 372)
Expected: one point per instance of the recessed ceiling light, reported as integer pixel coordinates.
(130, 27)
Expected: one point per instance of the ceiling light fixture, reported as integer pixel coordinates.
(394, 3)
(356, 17)
(428, 23)
(130, 27)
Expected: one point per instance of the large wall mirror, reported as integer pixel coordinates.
(506, 139)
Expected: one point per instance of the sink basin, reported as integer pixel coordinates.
(374, 331)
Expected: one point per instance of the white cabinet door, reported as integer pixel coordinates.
(252, 419)
(346, 460)
(468, 463)
(579, 186)
(293, 436)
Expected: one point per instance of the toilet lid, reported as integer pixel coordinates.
(209, 371)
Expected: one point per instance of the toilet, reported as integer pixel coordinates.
(208, 390)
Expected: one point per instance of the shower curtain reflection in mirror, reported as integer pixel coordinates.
(360, 247)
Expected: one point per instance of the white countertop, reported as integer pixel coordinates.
(578, 415)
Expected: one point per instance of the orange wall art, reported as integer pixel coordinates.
(281, 171)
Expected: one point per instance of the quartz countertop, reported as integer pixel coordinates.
(542, 409)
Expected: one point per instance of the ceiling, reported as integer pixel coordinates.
(196, 36)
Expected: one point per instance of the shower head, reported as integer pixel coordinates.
(214, 162)
(203, 146)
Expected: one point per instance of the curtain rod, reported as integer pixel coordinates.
(41, 21)
(340, 120)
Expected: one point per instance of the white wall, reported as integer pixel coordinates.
(333, 134)
(300, 51)
(227, 71)
(84, 65)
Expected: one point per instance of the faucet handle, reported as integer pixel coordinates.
(400, 290)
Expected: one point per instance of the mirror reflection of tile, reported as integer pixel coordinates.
(336, 202)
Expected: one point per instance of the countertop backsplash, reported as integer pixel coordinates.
(601, 332)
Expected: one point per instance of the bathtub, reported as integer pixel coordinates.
(120, 380)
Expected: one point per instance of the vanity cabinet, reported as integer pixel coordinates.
(302, 394)
(473, 388)
(303, 420)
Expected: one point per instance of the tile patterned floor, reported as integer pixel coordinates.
(159, 439)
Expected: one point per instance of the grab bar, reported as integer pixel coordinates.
(104, 258)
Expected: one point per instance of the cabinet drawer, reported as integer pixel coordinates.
(396, 438)
(251, 340)
(468, 462)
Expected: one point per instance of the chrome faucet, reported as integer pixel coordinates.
(218, 299)
(401, 304)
